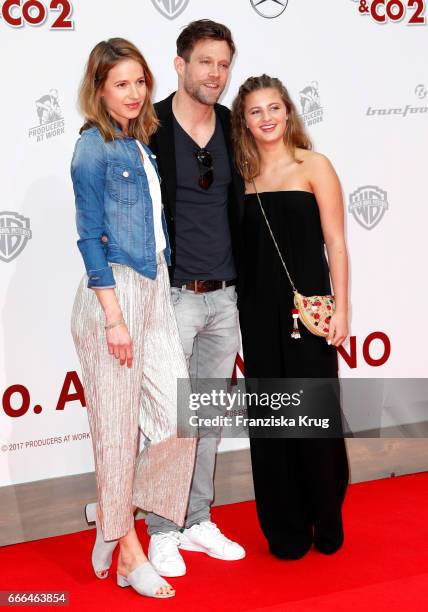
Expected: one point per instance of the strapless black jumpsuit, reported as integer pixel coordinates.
(300, 483)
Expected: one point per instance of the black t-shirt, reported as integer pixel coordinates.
(203, 247)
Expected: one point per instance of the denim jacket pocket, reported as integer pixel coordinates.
(122, 183)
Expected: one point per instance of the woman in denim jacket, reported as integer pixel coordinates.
(123, 321)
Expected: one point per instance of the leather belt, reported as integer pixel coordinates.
(203, 286)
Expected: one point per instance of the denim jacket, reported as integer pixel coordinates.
(114, 212)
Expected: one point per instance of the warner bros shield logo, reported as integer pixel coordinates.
(170, 8)
(368, 205)
(14, 234)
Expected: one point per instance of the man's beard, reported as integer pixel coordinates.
(196, 92)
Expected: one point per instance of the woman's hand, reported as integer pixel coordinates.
(338, 329)
(118, 339)
(120, 344)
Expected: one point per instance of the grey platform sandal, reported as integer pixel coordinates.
(146, 581)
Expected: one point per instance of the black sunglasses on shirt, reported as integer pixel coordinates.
(206, 174)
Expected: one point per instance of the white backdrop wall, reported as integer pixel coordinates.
(367, 83)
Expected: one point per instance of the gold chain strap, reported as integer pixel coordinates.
(273, 237)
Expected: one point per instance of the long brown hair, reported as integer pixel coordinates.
(102, 58)
(246, 152)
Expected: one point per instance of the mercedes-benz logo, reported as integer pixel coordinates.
(269, 8)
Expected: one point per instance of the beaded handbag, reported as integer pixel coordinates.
(315, 311)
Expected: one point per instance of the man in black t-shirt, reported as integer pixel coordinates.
(203, 198)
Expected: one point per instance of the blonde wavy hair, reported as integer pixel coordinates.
(102, 58)
(247, 156)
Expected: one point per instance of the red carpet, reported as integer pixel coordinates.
(382, 566)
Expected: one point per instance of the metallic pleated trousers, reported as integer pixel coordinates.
(120, 400)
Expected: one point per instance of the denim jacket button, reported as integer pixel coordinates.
(125, 173)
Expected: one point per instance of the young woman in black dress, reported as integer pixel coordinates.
(300, 483)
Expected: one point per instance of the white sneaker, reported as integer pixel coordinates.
(164, 554)
(207, 537)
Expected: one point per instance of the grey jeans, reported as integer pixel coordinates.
(208, 325)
